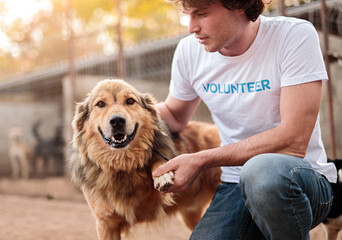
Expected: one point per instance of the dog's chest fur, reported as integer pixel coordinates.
(123, 193)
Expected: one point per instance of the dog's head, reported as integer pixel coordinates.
(115, 125)
(15, 134)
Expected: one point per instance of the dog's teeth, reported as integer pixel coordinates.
(119, 141)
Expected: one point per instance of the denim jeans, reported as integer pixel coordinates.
(279, 197)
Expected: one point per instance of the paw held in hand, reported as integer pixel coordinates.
(164, 182)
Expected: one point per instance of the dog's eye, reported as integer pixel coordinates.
(130, 101)
(100, 104)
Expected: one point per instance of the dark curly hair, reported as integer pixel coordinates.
(253, 8)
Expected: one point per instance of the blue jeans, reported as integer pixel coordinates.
(279, 197)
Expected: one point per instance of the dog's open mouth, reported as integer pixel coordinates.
(119, 140)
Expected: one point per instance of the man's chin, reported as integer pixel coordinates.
(209, 48)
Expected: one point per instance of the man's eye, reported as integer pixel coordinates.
(201, 14)
(100, 104)
(130, 101)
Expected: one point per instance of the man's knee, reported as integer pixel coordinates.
(265, 174)
(256, 170)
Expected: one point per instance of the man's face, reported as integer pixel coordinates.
(215, 26)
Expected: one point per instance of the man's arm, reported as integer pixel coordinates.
(299, 107)
(177, 113)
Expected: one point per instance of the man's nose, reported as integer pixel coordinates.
(194, 27)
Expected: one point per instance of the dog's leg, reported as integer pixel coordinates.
(108, 224)
(331, 232)
(332, 227)
(190, 217)
(15, 167)
(107, 230)
(192, 213)
(163, 182)
(24, 166)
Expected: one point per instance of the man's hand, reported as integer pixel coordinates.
(164, 182)
(185, 169)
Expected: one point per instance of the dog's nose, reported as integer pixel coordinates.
(117, 122)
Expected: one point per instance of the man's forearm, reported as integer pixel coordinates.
(276, 140)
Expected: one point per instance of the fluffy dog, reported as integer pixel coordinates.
(19, 154)
(333, 223)
(119, 139)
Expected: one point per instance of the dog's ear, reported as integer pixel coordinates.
(81, 115)
(149, 103)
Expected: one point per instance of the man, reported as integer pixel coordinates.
(261, 78)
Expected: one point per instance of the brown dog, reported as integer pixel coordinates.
(119, 139)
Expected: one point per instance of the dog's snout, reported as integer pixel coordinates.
(117, 122)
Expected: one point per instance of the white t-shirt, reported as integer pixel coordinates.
(243, 92)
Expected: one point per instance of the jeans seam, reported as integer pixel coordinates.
(292, 203)
(244, 226)
(322, 207)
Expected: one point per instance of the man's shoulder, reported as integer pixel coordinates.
(287, 26)
(190, 46)
(189, 40)
(281, 21)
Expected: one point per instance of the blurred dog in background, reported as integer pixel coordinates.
(48, 153)
(333, 222)
(20, 154)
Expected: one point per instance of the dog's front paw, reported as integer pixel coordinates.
(163, 182)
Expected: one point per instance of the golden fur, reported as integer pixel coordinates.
(119, 139)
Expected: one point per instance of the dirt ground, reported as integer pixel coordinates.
(53, 209)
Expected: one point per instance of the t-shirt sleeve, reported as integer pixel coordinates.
(180, 84)
(301, 59)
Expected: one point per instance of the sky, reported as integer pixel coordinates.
(23, 9)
